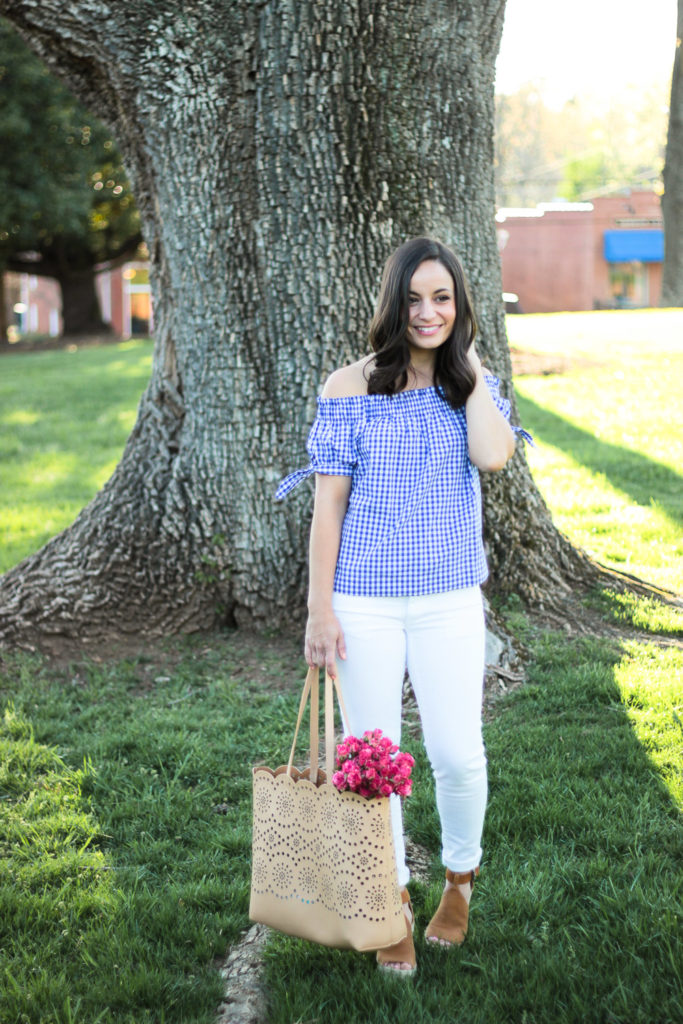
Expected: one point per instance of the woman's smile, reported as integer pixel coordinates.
(427, 330)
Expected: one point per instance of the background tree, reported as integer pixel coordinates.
(65, 202)
(278, 152)
(672, 200)
(585, 177)
(531, 144)
(588, 147)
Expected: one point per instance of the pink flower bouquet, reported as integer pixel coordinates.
(372, 766)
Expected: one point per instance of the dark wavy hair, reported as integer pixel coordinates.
(388, 332)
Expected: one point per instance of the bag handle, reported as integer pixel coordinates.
(311, 688)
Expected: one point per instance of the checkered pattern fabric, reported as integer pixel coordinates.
(413, 523)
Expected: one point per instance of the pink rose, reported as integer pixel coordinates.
(372, 766)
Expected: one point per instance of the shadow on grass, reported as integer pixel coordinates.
(647, 615)
(642, 478)
(574, 917)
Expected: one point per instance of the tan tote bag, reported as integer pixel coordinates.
(323, 864)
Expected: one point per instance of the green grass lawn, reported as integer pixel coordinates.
(64, 420)
(125, 785)
(610, 434)
(125, 829)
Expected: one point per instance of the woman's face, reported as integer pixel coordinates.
(432, 312)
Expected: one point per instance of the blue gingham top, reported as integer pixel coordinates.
(413, 522)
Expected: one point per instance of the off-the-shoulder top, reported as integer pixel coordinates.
(413, 522)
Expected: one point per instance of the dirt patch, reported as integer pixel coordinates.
(265, 661)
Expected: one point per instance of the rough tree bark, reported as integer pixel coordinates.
(672, 200)
(278, 150)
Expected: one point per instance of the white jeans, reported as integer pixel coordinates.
(440, 638)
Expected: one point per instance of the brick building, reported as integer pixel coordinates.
(126, 299)
(34, 304)
(605, 254)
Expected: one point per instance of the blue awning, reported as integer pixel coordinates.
(624, 246)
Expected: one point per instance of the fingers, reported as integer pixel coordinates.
(324, 640)
(319, 653)
(341, 645)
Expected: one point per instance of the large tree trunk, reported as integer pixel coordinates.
(80, 305)
(4, 341)
(278, 152)
(672, 200)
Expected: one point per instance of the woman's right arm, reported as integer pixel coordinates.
(324, 636)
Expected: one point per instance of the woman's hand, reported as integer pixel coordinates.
(475, 362)
(324, 640)
(490, 440)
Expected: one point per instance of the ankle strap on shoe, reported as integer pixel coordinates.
(462, 878)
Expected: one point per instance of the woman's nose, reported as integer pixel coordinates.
(426, 310)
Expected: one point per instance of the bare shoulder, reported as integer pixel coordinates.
(349, 380)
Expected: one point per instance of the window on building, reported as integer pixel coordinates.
(139, 310)
(628, 285)
(139, 313)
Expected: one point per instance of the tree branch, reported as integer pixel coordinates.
(68, 44)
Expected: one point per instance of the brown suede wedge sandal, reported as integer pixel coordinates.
(402, 952)
(450, 920)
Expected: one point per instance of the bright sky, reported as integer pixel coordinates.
(586, 46)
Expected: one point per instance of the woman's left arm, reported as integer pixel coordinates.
(490, 439)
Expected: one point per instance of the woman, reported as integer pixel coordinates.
(396, 553)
